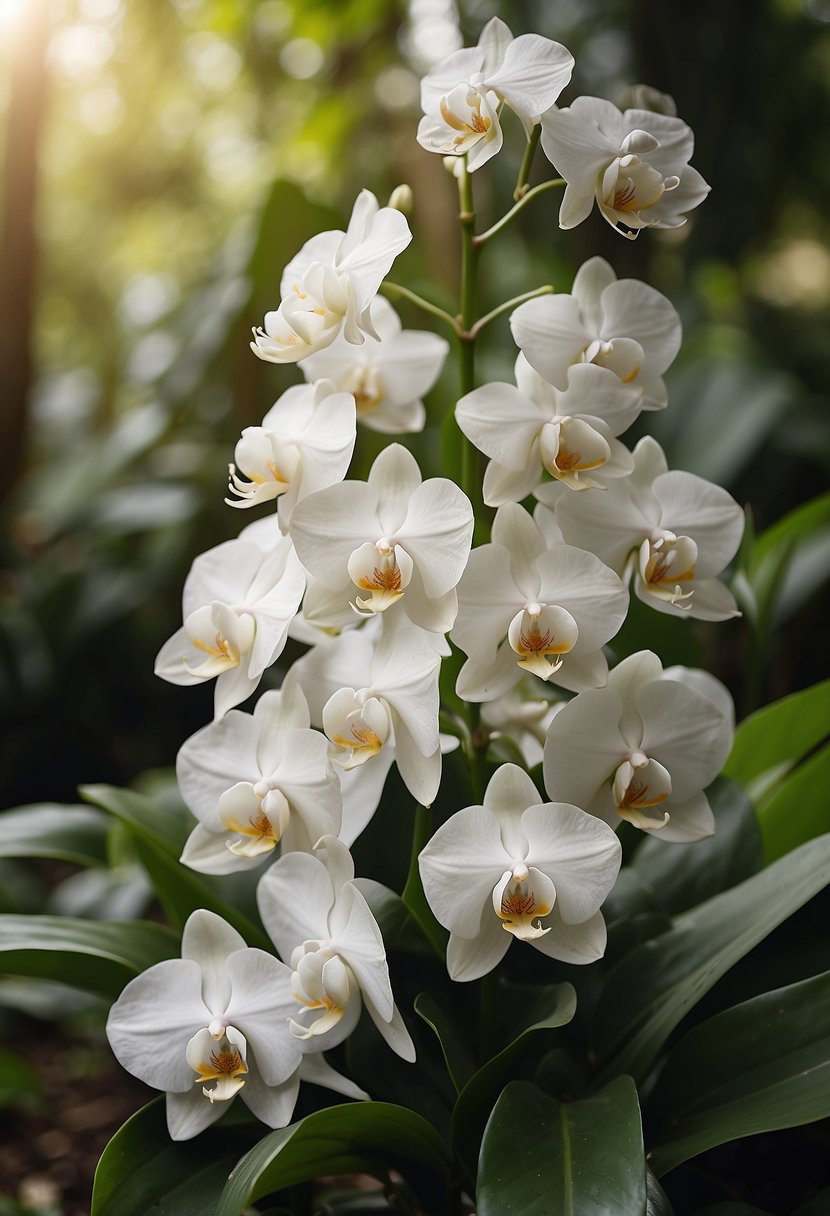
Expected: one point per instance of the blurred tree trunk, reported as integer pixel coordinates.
(18, 239)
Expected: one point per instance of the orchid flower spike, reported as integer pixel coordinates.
(329, 286)
(644, 748)
(461, 98)
(634, 163)
(518, 867)
(319, 920)
(213, 1024)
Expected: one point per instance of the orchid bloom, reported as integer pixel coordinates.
(673, 531)
(522, 717)
(377, 700)
(319, 920)
(239, 599)
(390, 539)
(622, 325)
(387, 375)
(644, 748)
(305, 442)
(534, 428)
(525, 606)
(461, 97)
(518, 867)
(257, 783)
(329, 286)
(212, 1024)
(634, 163)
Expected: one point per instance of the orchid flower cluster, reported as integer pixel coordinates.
(378, 579)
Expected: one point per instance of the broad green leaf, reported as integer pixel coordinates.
(413, 895)
(540, 1156)
(398, 927)
(142, 1170)
(778, 735)
(758, 1067)
(456, 1050)
(93, 955)
(650, 990)
(682, 875)
(65, 833)
(145, 819)
(657, 1203)
(337, 1140)
(548, 1008)
(181, 891)
(797, 809)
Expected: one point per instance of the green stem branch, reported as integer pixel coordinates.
(508, 306)
(483, 237)
(396, 292)
(527, 162)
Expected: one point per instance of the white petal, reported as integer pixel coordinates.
(583, 746)
(328, 526)
(395, 477)
(691, 820)
(294, 898)
(214, 759)
(317, 1071)
(581, 943)
(437, 533)
(261, 1004)
(190, 1113)
(501, 422)
(509, 793)
(632, 309)
(488, 600)
(471, 958)
(533, 73)
(578, 852)
(360, 945)
(694, 507)
(684, 732)
(151, 1023)
(207, 939)
(460, 866)
(551, 334)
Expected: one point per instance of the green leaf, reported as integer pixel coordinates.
(779, 735)
(93, 955)
(413, 895)
(650, 990)
(819, 1205)
(549, 1007)
(144, 818)
(340, 1139)
(657, 1203)
(456, 1051)
(66, 833)
(181, 891)
(541, 1156)
(398, 927)
(683, 875)
(796, 810)
(142, 1170)
(758, 1067)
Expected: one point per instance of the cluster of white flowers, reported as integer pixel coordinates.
(373, 576)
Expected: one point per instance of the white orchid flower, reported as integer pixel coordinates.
(377, 700)
(634, 163)
(523, 717)
(239, 599)
(525, 606)
(619, 324)
(387, 375)
(461, 96)
(519, 867)
(212, 1024)
(318, 919)
(330, 284)
(673, 531)
(257, 783)
(644, 748)
(305, 442)
(391, 538)
(535, 428)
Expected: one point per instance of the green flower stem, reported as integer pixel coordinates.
(396, 292)
(413, 893)
(508, 306)
(483, 237)
(527, 161)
